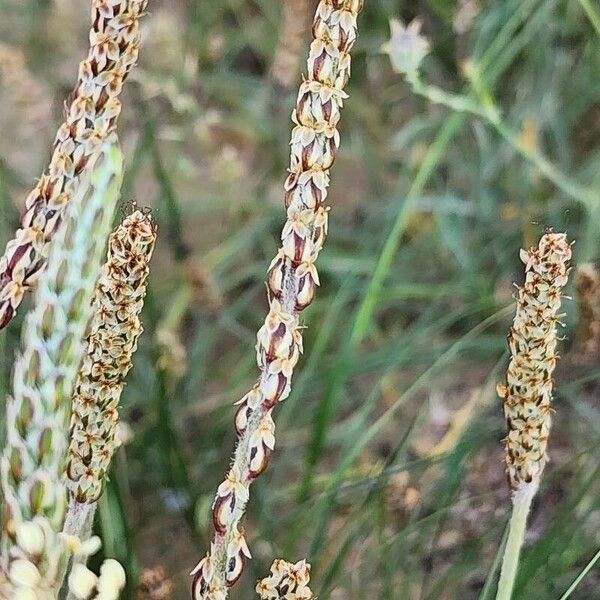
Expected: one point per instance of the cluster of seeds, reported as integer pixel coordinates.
(90, 121)
(111, 342)
(532, 340)
(292, 281)
(32, 465)
(287, 582)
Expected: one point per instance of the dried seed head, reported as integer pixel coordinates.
(111, 342)
(90, 122)
(32, 464)
(154, 585)
(292, 280)
(532, 341)
(287, 582)
(587, 338)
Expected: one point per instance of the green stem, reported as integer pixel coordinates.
(580, 577)
(488, 112)
(516, 533)
(79, 522)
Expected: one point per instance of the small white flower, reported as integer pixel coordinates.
(407, 47)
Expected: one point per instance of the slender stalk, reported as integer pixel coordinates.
(79, 523)
(80, 519)
(469, 104)
(521, 500)
(581, 575)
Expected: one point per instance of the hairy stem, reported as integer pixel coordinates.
(516, 534)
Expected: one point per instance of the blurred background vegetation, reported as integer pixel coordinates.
(388, 473)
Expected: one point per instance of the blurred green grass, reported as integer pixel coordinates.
(429, 209)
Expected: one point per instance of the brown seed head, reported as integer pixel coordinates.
(287, 582)
(532, 340)
(90, 121)
(111, 342)
(587, 338)
(292, 281)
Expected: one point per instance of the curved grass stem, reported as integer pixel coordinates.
(489, 113)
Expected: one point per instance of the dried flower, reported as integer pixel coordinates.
(407, 47)
(90, 121)
(287, 582)
(292, 281)
(111, 342)
(32, 464)
(154, 585)
(532, 341)
(587, 338)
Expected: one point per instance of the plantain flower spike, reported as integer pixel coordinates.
(532, 340)
(33, 553)
(90, 122)
(111, 342)
(292, 280)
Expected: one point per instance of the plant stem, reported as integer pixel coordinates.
(80, 519)
(516, 533)
(488, 112)
(78, 522)
(580, 577)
